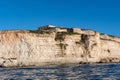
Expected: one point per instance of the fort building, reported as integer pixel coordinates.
(56, 29)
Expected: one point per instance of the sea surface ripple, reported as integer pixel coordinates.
(63, 72)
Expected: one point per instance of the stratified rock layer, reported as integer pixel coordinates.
(24, 48)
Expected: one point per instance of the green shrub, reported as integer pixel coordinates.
(39, 31)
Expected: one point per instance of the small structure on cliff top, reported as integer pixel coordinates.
(52, 28)
(46, 27)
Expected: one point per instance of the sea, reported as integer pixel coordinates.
(109, 71)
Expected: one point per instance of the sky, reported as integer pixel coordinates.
(99, 15)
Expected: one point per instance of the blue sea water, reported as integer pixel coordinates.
(63, 72)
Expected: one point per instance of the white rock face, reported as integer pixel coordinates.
(23, 48)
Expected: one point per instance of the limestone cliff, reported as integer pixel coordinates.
(24, 48)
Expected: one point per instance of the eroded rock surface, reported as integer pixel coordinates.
(25, 48)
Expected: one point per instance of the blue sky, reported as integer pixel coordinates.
(98, 15)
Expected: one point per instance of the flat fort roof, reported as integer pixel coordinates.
(51, 26)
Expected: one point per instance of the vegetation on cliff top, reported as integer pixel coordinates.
(39, 31)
